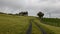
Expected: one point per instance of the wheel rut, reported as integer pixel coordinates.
(29, 31)
(41, 29)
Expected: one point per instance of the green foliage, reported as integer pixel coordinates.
(40, 14)
(23, 14)
(51, 21)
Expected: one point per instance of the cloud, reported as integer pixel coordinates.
(34, 6)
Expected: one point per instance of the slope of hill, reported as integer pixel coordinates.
(49, 28)
(51, 21)
(11, 24)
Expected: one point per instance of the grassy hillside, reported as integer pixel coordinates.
(51, 21)
(35, 29)
(11, 24)
(49, 28)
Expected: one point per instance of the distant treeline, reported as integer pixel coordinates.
(40, 14)
(19, 14)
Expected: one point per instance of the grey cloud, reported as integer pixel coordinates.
(34, 6)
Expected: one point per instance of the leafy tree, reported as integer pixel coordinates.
(40, 14)
(23, 13)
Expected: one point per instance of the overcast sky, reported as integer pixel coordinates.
(48, 7)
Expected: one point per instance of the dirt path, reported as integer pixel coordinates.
(41, 29)
(29, 31)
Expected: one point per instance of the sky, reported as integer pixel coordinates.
(51, 8)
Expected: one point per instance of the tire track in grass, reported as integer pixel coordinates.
(29, 31)
(42, 30)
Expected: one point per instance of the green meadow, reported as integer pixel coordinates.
(12, 24)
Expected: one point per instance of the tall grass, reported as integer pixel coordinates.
(51, 21)
(35, 29)
(49, 28)
(13, 24)
(48, 31)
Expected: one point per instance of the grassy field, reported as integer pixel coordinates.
(35, 29)
(11, 24)
(51, 21)
(49, 28)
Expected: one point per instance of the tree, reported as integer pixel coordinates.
(2, 13)
(40, 14)
(23, 13)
